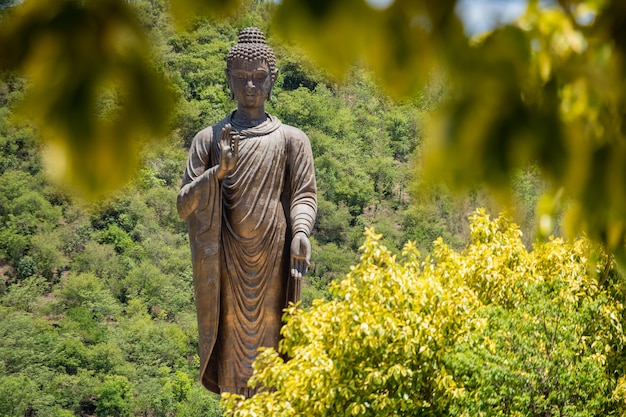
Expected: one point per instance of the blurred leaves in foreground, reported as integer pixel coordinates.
(93, 90)
(547, 90)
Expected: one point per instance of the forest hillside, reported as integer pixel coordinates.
(96, 299)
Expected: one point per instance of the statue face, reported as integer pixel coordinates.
(250, 82)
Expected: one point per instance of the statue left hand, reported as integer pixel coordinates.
(300, 255)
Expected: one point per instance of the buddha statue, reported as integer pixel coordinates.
(249, 199)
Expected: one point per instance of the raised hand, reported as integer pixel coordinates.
(300, 255)
(229, 152)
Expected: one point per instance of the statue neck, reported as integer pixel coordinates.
(250, 117)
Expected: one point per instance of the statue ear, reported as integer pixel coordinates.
(274, 77)
(230, 88)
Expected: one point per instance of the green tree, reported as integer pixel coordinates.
(69, 356)
(16, 395)
(199, 402)
(493, 329)
(552, 325)
(26, 341)
(24, 296)
(114, 397)
(85, 323)
(160, 292)
(85, 290)
(47, 254)
(74, 392)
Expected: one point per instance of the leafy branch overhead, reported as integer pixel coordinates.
(547, 90)
(93, 89)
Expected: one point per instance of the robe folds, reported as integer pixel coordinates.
(240, 232)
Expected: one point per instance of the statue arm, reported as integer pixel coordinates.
(197, 178)
(303, 205)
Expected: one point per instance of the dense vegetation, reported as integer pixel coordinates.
(96, 300)
(491, 330)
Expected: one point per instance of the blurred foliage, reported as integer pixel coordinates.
(93, 90)
(547, 90)
(492, 329)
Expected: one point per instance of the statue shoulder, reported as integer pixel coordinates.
(206, 135)
(203, 137)
(294, 134)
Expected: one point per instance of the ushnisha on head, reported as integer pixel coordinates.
(252, 47)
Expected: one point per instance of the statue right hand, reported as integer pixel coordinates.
(229, 152)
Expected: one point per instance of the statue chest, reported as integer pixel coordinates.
(252, 192)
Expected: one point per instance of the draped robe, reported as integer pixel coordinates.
(240, 232)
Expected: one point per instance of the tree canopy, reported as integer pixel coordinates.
(493, 329)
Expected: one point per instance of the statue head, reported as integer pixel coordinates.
(251, 48)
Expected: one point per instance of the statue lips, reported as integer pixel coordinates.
(250, 99)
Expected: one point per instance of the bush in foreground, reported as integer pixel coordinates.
(491, 330)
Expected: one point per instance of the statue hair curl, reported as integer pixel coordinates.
(252, 46)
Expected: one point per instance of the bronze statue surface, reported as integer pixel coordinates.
(249, 199)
